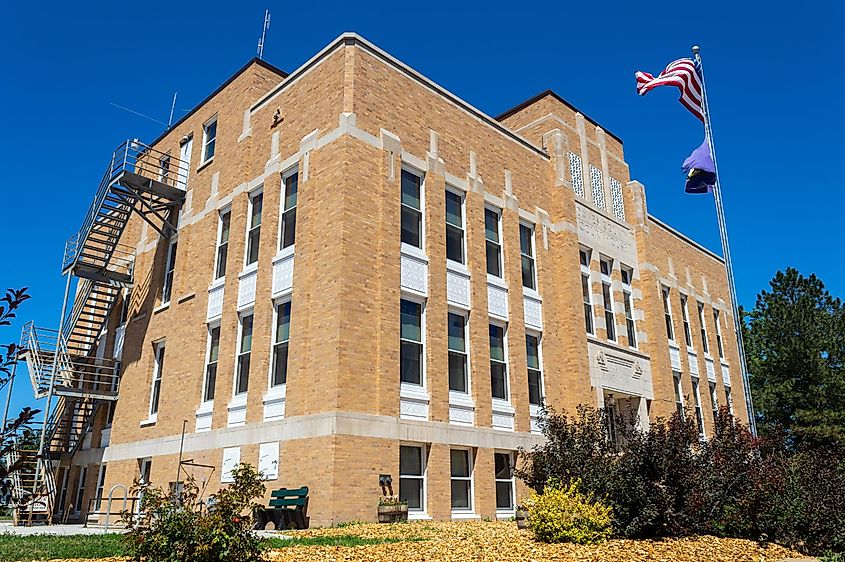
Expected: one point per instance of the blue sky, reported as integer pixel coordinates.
(775, 79)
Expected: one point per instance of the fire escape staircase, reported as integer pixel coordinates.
(139, 179)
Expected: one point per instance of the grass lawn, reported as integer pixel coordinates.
(44, 547)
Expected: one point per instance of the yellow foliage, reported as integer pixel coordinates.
(563, 514)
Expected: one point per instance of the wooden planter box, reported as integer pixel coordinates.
(392, 513)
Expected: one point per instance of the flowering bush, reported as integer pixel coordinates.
(563, 514)
(175, 526)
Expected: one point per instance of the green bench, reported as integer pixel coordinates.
(286, 508)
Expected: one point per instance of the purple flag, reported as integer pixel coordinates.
(700, 170)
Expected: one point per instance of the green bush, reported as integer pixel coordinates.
(563, 514)
(178, 527)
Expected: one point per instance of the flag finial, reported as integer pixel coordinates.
(695, 49)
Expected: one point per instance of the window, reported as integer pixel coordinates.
(222, 244)
(606, 266)
(80, 488)
(244, 353)
(412, 477)
(211, 364)
(158, 371)
(685, 315)
(577, 174)
(704, 345)
(169, 269)
(718, 324)
(628, 302)
(280, 345)
(597, 184)
(535, 372)
(492, 235)
(209, 139)
(288, 235)
(498, 365)
(613, 417)
(253, 233)
(616, 196)
(504, 481)
(164, 168)
(412, 216)
(458, 379)
(729, 400)
(526, 249)
(101, 482)
(411, 353)
(667, 315)
(461, 473)
(679, 393)
(699, 417)
(584, 257)
(714, 402)
(454, 226)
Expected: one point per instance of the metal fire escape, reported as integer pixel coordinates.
(63, 364)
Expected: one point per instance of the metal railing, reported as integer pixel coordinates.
(135, 157)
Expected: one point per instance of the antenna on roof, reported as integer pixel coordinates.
(263, 34)
(138, 113)
(172, 107)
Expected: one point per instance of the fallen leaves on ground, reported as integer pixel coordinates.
(503, 541)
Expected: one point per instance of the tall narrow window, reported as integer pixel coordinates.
(498, 364)
(729, 399)
(461, 474)
(80, 488)
(616, 195)
(586, 290)
(454, 226)
(222, 244)
(679, 393)
(526, 249)
(699, 417)
(411, 335)
(576, 172)
(209, 139)
(158, 372)
(412, 477)
(288, 236)
(503, 463)
(280, 345)
(606, 266)
(169, 269)
(211, 364)
(457, 353)
(101, 482)
(412, 216)
(628, 301)
(717, 322)
(704, 345)
(164, 168)
(492, 235)
(597, 184)
(667, 315)
(714, 402)
(253, 235)
(685, 315)
(535, 372)
(244, 353)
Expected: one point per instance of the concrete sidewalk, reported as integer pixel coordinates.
(8, 528)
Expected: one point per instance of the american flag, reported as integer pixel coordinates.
(683, 74)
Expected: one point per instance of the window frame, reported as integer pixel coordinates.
(421, 302)
(504, 361)
(587, 290)
(239, 353)
(169, 271)
(497, 243)
(541, 379)
(220, 244)
(277, 304)
(680, 407)
(667, 313)
(80, 488)
(420, 511)
(467, 372)
(204, 399)
(284, 211)
(462, 228)
(705, 345)
(607, 298)
(628, 305)
(420, 175)
(532, 257)
(252, 196)
(699, 412)
(159, 350)
(500, 511)
(717, 320)
(468, 479)
(206, 141)
(714, 402)
(685, 318)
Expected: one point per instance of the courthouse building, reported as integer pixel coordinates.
(348, 271)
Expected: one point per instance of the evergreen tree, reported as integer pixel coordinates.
(795, 345)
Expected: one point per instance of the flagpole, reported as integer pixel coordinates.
(726, 252)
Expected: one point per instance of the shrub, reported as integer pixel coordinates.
(176, 526)
(563, 514)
